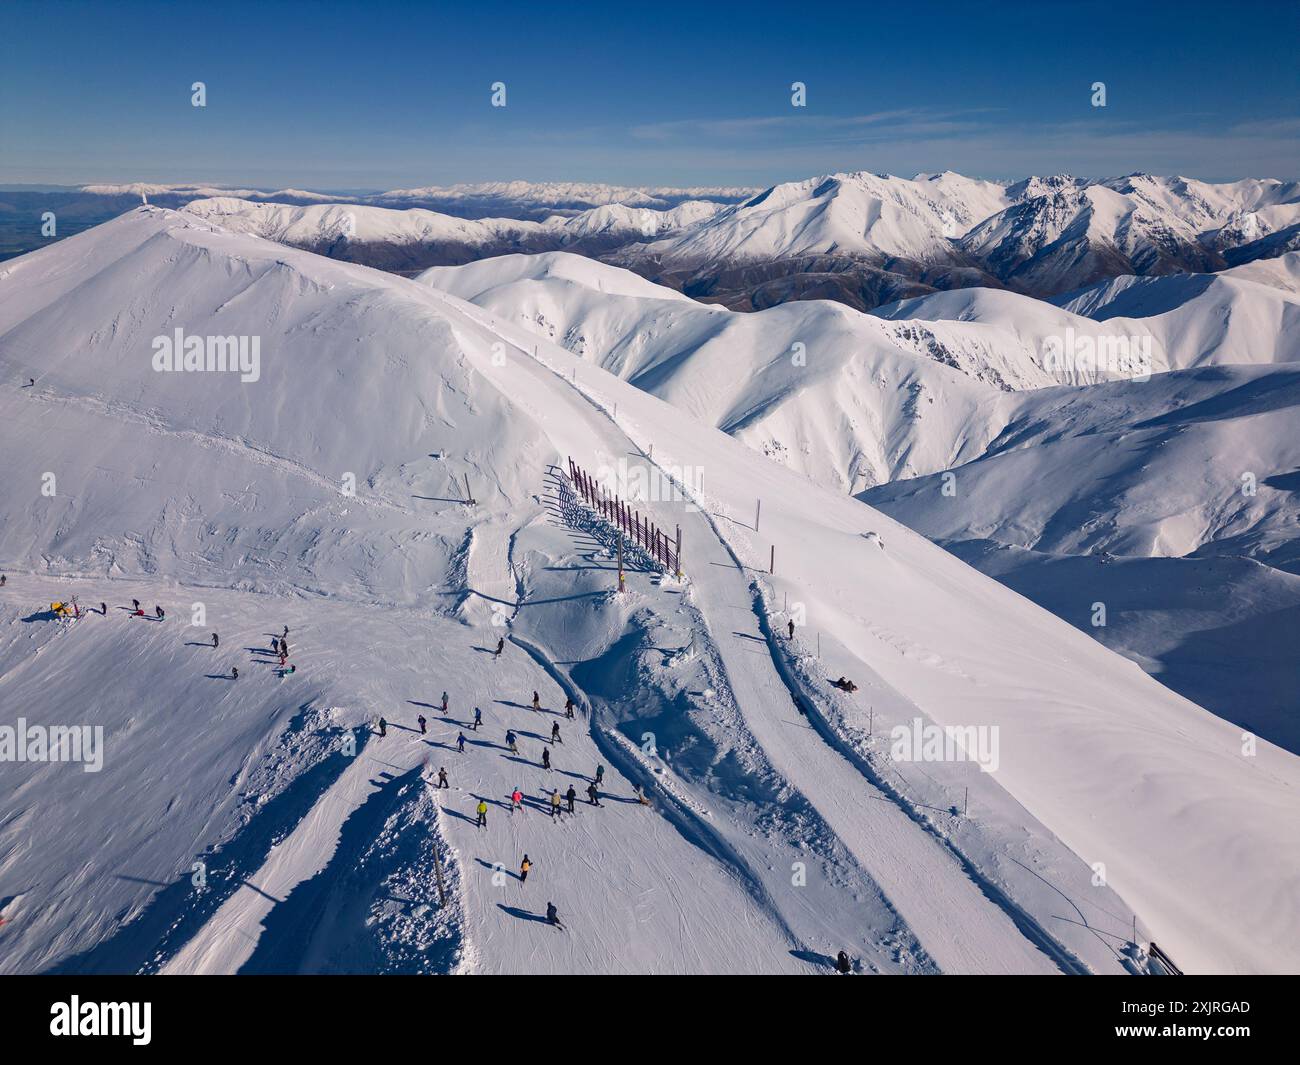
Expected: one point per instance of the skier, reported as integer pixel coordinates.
(444, 704)
(546, 758)
(478, 718)
(512, 741)
(568, 709)
(792, 629)
(103, 609)
(524, 866)
(555, 803)
(442, 778)
(501, 646)
(600, 775)
(571, 795)
(482, 814)
(158, 611)
(284, 648)
(593, 796)
(135, 605)
(383, 727)
(640, 795)
(537, 701)
(286, 631)
(3, 580)
(553, 915)
(283, 659)
(214, 639)
(516, 800)
(423, 724)
(460, 742)
(234, 672)
(842, 964)
(288, 671)
(555, 732)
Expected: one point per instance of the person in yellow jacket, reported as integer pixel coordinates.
(524, 866)
(482, 814)
(555, 803)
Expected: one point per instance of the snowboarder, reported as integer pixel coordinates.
(553, 916)
(214, 639)
(791, 629)
(234, 672)
(501, 646)
(537, 701)
(512, 741)
(516, 800)
(600, 775)
(158, 611)
(555, 732)
(593, 796)
(571, 795)
(568, 709)
(478, 718)
(482, 814)
(444, 704)
(442, 778)
(383, 727)
(524, 866)
(424, 725)
(555, 803)
(842, 964)
(546, 758)
(460, 742)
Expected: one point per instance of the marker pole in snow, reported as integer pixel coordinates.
(771, 566)
(679, 552)
(621, 586)
(469, 497)
(437, 872)
(758, 509)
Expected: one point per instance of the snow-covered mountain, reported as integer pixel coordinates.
(324, 494)
(950, 385)
(1043, 235)
(414, 239)
(518, 196)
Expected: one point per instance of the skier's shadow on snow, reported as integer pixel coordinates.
(404, 728)
(527, 706)
(427, 706)
(492, 802)
(444, 746)
(493, 866)
(813, 958)
(217, 676)
(523, 761)
(463, 817)
(523, 915)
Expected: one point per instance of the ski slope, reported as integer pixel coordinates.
(214, 490)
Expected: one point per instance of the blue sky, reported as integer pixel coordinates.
(338, 95)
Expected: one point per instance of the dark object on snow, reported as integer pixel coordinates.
(460, 742)
(553, 915)
(214, 639)
(422, 723)
(383, 727)
(571, 795)
(842, 963)
(546, 758)
(792, 630)
(442, 779)
(234, 672)
(593, 796)
(158, 610)
(844, 685)
(501, 646)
